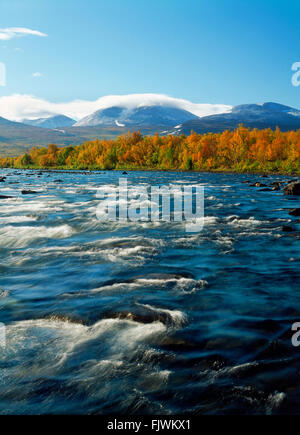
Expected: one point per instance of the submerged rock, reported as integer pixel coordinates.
(5, 197)
(147, 314)
(292, 188)
(65, 319)
(2, 179)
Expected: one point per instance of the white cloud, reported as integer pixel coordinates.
(37, 74)
(18, 107)
(2, 74)
(14, 32)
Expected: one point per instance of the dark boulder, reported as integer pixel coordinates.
(28, 192)
(266, 189)
(287, 229)
(258, 184)
(277, 183)
(2, 179)
(295, 212)
(276, 186)
(292, 188)
(5, 197)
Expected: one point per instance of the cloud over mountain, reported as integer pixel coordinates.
(18, 107)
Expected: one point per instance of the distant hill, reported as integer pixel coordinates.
(140, 116)
(16, 137)
(57, 121)
(267, 115)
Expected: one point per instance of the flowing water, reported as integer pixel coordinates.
(144, 318)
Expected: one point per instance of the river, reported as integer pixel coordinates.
(143, 317)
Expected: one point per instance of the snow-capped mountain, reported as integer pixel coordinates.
(140, 116)
(266, 115)
(56, 121)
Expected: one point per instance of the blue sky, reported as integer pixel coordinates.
(206, 51)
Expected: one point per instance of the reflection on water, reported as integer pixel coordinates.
(145, 318)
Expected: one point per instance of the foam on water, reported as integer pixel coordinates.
(181, 284)
(55, 343)
(19, 237)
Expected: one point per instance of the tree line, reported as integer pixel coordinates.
(241, 150)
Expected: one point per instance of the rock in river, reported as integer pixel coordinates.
(258, 184)
(295, 212)
(287, 228)
(292, 188)
(28, 192)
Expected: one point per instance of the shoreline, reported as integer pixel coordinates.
(216, 171)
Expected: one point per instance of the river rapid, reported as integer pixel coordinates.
(143, 317)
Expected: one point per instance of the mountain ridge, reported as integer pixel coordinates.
(265, 115)
(53, 122)
(144, 115)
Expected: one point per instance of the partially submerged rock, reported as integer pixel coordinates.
(28, 192)
(292, 188)
(276, 185)
(258, 184)
(5, 197)
(295, 212)
(287, 229)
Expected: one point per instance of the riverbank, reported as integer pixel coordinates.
(130, 169)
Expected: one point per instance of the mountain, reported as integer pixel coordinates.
(140, 116)
(267, 115)
(57, 121)
(16, 137)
